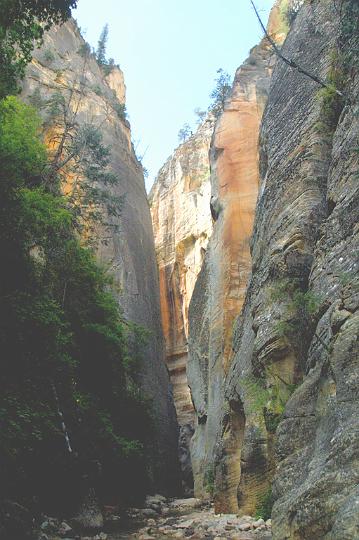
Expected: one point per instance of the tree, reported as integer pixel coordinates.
(63, 342)
(101, 47)
(201, 115)
(22, 24)
(184, 133)
(79, 161)
(220, 92)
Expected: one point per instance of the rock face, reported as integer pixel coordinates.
(182, 223)
(277, 401)
(220, 289)
(64, 65)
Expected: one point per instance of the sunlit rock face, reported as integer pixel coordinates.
(220, 290)
(182, 223)
(276, 399)
(62, 66)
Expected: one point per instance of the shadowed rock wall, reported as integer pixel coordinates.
(62, 65)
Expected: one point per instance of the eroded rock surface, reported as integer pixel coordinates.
(64, 66)
(220, 289)
(281, 407)
(182, 222)
(285, 333)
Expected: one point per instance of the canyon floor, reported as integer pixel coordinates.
(199, 522)
(167, 519)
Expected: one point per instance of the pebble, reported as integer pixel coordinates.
(245, 526)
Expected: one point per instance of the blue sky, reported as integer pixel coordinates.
(170, 51)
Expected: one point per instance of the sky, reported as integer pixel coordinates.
(170, 51)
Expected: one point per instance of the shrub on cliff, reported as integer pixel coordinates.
(220, 92)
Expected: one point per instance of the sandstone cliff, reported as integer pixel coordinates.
(64, 65)
(276, 402)
(182, 223)
(220, 290)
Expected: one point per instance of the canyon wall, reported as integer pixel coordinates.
(276, 399)
(220, 289)
(182, 223)
(64, 66)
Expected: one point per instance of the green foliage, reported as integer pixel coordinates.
(22, 24)
(288, 12)
(201, 115)
(288, 290)
(268, 397)
(101, 46)
(81, 155)
(209, 480)
(120, 109)
(62, 328)
(98, 90)
(184, 133)
(265, 505)
(331, 102)
(84, 50)
(49, 56)
(20, 146)
(220, 92)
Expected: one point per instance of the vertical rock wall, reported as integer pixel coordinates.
(182, 223)
(62, 65)
(220, 289)
(278, 405)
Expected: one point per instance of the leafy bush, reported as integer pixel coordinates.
(120, 109)
(265, 505)
(64, 343)
(84, 50)
(49, 56)
(209, 480)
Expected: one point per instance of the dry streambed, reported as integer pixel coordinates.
(169, 519)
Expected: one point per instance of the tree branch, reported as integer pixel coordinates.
(291, 62)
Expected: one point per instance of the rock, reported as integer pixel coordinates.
(149, 512)
(101, 536)
(182, 223)
(258, 523)
(131, 249)
(151, 522)
(269, 523)
(220, 289)
(112, 523)
(50, 525)
(155, 499)
(305, 236)
(65, 529)
(186, 504)
(165, 510)
(245, 526)
(146, 537)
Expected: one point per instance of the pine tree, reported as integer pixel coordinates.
(101, 46)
